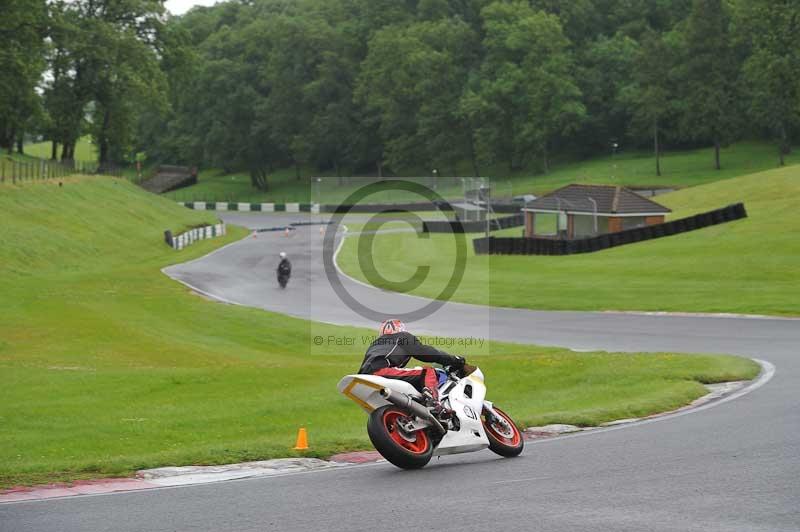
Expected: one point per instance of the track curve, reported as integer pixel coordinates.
(732, 467)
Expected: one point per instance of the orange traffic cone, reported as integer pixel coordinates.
(302, 440)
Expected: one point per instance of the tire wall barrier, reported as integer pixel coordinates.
(403, 207)
(187, 238)
(517, 220)
(250, 207)
(547, 246)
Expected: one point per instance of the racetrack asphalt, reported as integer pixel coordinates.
(735, 466)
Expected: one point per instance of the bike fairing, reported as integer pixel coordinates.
(406, 433)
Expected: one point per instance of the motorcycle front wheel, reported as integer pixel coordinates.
(406, 450)
(504, 437)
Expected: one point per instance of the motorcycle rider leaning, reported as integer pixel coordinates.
(391, 351)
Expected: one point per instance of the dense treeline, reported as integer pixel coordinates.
(370, 86)
(72, 67)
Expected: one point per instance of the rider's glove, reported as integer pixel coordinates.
(457, 362)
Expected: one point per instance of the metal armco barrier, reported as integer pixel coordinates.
(456, 226)
(548, 246)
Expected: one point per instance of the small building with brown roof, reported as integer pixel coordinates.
(582, 211)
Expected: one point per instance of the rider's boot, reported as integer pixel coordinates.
(436, 408)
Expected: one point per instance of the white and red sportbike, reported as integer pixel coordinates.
(405, 432)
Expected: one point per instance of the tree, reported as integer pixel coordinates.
(412, 80)
(709, 76)
(104, 66)
(606, 67)
(527, 96)
(652, 93)
(771, 70)
(21, 64)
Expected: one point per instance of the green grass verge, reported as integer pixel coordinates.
(679, 169)
(747, 266)
(108, 366)
(85, 150)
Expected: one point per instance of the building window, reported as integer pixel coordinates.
(583, 225)
(544, 223)
(632, 222)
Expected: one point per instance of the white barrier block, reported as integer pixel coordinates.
(267, 207)
(244, 207)
(221, 206)
(209, 232)
(315, 208)
(199, 205)
(292, 207)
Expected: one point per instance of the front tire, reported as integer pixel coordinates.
(405, 450)
(504, 437)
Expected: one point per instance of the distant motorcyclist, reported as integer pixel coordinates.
(284, 270)
(388, 355)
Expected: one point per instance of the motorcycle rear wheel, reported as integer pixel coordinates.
(505, 438)
(405, 450)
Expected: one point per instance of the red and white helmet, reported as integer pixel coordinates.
(391, 327)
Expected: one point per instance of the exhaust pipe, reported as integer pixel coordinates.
(405, 402)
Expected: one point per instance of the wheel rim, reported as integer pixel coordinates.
(420, 442)
(506, 433)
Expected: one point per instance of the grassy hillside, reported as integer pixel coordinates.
(748, 266)
(108, 366)
(627, 168)
(84, 149)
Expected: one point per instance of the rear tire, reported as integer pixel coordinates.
(504, 439)
(406, 451)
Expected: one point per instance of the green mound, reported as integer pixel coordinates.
(108, 366)
(748, 266)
